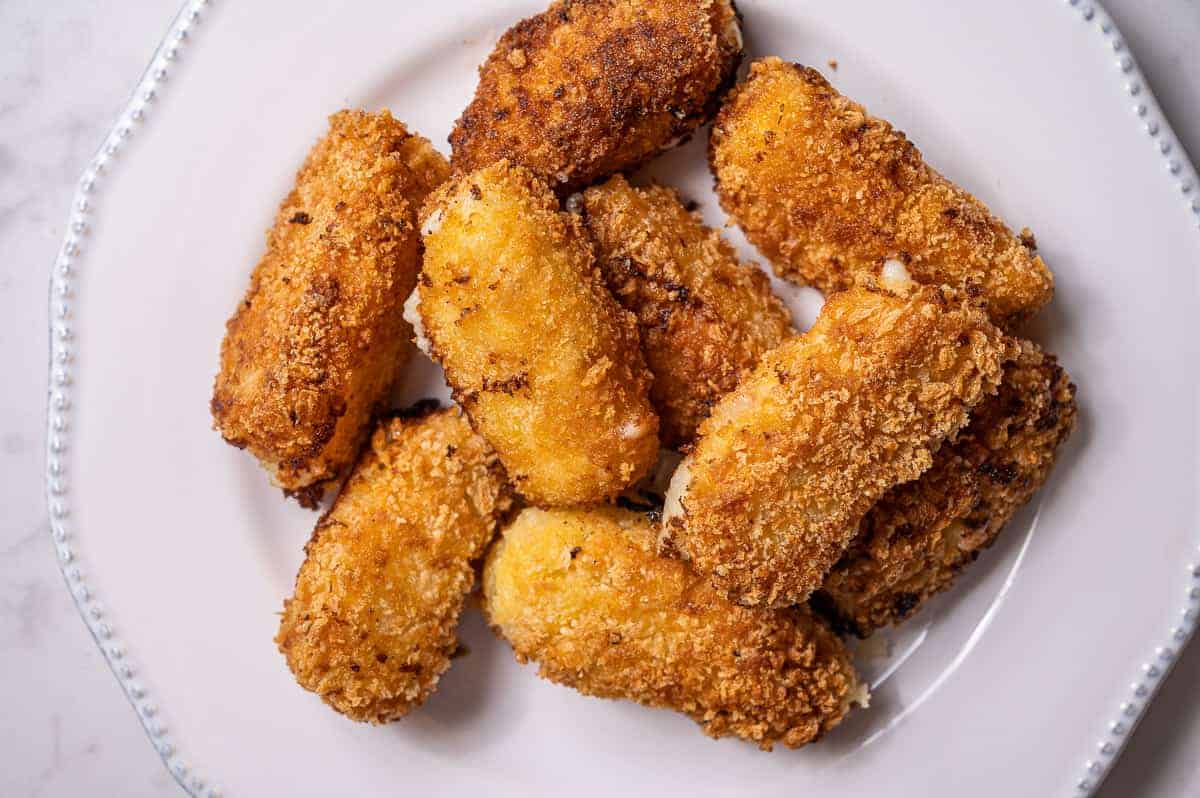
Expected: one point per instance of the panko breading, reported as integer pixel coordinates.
(787, 465)
(583, 593)
(371, 625)
(913, 543)
(827, 192)
(319, 338)
(585, 89)
(705, 318)
(537, 351)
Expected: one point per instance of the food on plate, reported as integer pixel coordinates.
(913, 543)
(828, 192)
(585, 89)
(705, 317)
(787, 465)
(535, 348)
(318, 339)
(583, 593)
(696, 501)
(371, 625)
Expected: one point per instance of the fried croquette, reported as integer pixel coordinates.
(319, 337)
(585, 89)
(535, 348)
(913, 543)
(827, 192)
(371, 625)
(787, 465)
(582, 593)
(705, 318)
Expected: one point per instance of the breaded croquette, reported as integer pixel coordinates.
(828, 192)
(371, 625)
(585, 89)
(787, 465)
(913, 543)
(705, 318)
(319, 338)
(535, 348)
(583, 593)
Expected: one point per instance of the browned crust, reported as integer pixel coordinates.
(537, 351)
(372, 622)
(828, 193)
(705, 318)
(787, 464)
(582, 593)
(318, 340)
(590, 87)
(913, 543)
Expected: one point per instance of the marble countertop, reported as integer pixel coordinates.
(65, 68)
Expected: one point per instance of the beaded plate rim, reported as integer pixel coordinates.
(62, 342)
(1153, 669)
(1149, 675)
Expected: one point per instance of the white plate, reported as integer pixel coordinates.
(1023, 681)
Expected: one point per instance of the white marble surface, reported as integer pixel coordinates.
(65, 67)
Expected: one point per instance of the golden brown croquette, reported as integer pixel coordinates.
(582, 593)
(537, 351)
(705, 318)
(371, 626)
(828, 193)
(585, 89)
(913, 543)
(318, 339)
(787, 465)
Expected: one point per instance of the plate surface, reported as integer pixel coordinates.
(1023, 681)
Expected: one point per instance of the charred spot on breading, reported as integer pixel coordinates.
(904, 603)
(1001, 473)
(309, 498)
(507, 385)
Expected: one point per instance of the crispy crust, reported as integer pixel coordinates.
(828, 192)
(914, 542)
(371, 625)
(582, 593)
(318, 340)
(705, 318)
(787, 464)
(538, 352)
(590, 87)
